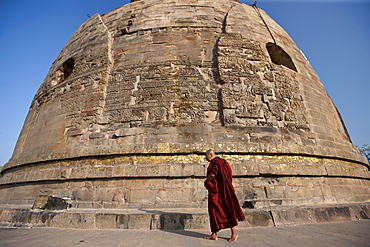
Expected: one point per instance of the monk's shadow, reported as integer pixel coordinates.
(195, 234)
(187, 233)
(173, 222)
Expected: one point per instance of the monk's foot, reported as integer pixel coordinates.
(233, 238)
(212, 236)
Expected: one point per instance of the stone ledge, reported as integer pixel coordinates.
(143, 166)
(161, 219)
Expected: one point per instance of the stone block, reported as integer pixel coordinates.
(129, 132)
(33, 218)
(98, 172)
(325, 191)
(275, 191)
(265, 169)
(106, 221)
(144, 184)
(140, 221)
(96, 135)
(341, 190)
(200, 194)
(318, 170)
(7, 216)
(176, 221)
(256, 218)
(83, 193)
(152, 170)
(329, 200)
(360, 212)
(73, 220)
(174, 195)
(179, 183)
(291, 217)
(249, 169)
(283, 169)
(142, 196)
(199, 170)
(331, 214)
(177, 170)
(295, 192)
(108, 194)
(334, 170)
(122, 221)
(196, 221)
(128, 170)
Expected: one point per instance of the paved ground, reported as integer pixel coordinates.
(339, 234)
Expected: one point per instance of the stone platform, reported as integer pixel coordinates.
(174, 219)
(339, 234)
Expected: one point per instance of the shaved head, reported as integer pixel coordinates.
(210, 154)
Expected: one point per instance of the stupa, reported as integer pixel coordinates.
(137, 95)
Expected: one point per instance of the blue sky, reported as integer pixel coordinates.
(334, 35)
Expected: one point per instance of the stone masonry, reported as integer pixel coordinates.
(137, 95)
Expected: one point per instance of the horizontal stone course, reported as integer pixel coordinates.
(165, 219)
(184, 166)
(260, 191)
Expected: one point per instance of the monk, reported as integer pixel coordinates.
(223, 205)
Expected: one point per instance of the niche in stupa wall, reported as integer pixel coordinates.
(63, 72)
(83, 55)
(81, 94)
(279, 56)
(256, 92)
(75, 73)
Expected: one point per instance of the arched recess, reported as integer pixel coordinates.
(279, 56)
(64, 71)
(67, 68)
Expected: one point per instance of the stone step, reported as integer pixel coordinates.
(170, 218)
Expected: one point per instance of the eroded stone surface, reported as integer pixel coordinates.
(138, 94)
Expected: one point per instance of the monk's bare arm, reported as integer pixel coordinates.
(210, 177)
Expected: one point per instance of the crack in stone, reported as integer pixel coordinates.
(110, 68)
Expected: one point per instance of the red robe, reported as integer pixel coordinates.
(223, 205)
